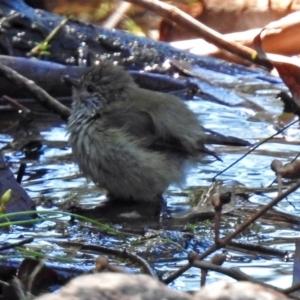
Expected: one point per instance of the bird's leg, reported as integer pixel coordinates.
(162, 208)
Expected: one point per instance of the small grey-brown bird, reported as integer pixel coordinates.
(131, 141)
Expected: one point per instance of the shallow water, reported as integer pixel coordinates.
(50, 179)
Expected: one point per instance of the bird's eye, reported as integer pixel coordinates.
(90, 88)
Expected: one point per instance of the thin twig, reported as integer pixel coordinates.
(17, 244)
(231, 272)
(21, 172)
(38, 48)
(15, 103)
(254, 217)
(223, 242)
(255, 147)
(115, 18)
(120, 253)
(262, 250)
(37, 92)
(34, 274)
(218, 205)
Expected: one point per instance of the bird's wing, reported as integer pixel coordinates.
(172, 119)
(152, 128)
(131, 121)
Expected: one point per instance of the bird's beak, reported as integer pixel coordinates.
(71, 81)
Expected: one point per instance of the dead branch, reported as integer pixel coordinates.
(38, 93)
(189, 23)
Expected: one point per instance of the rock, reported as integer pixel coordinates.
(115, 286)
(242, 290)
(120, 286)
(20, 200)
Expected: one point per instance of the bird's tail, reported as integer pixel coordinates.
(213, 137)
